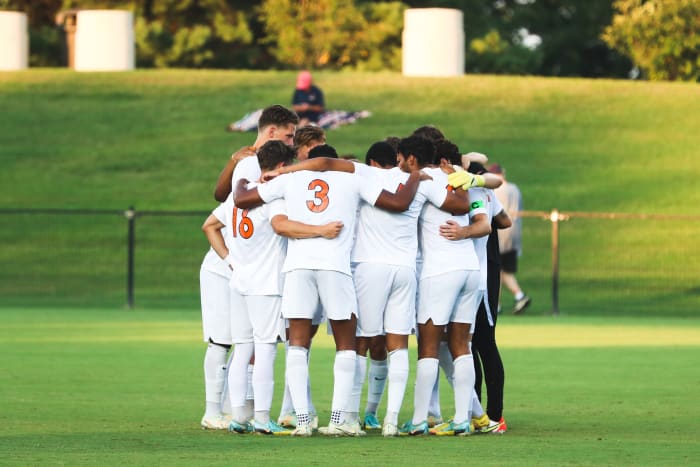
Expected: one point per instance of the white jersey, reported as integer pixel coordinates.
(317, 198)
(248, 168)
(483, 201)
(388, 237)
(256, 250)
(212, 262)
(441, 255)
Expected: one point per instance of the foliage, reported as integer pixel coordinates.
(333, 33)
(660, 36)
(493, 54)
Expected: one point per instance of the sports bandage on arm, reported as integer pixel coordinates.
(465, 180)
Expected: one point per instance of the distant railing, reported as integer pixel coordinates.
(597, 263)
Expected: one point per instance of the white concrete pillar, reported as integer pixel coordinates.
(14, 41)
(104, 40)
(433, 42)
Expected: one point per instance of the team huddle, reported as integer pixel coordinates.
(378, 250)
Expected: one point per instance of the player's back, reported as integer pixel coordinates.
(441, 255)
(318, 198)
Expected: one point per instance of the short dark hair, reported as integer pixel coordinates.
(429, 132)
(394, 141)
(308, 133)
(476, 168)
(382, 153)
(273, 152)
(277, 115)
(445, 149)
(421, 148)
(323, 150)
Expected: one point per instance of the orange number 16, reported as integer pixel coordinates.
(320, 201)
(245, 228)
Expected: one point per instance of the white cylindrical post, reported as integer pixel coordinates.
(14, 41)
(433, 42)
(104, 40)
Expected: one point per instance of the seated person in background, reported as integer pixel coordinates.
(307, 100)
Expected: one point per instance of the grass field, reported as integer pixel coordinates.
(156, 140)
(105, 387)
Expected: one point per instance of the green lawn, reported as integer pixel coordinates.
(155, 139)
(94, 386)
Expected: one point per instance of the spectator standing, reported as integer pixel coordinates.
(510, 239)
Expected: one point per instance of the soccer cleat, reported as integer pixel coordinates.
(271, 428)
(240, 428)
(502, 427)
(288, 420)
(434, 420)
(215, 422)
(410, 429)
(452, 429)
(342, 429)
(371, 422)
(390, 430)
(484, 424)
(302, 430)
(521, 304)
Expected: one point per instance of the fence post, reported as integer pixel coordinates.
(554, 217)
(130, 215)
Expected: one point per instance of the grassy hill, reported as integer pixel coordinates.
(156, 139)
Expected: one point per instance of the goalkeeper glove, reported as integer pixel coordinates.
(465, 180)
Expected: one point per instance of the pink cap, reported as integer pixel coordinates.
(304, 80)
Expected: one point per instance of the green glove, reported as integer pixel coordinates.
(464, 179)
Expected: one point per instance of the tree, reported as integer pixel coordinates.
(661, 36)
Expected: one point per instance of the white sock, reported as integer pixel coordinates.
(214, 372)
(312, 408)
(519, 295)
(297, 377)
(238, 378)
(446, 362)
(343, 377)
(463, 386)
(225, 399)
(250, 394)
(426, 375)
(264, 378)
(398, 378)
(378, 370)
(358, 382)
(287, 406)
(477, 409)
(434, 404)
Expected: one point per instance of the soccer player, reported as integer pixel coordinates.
(214, 275)
(276, 123)
(318, 270)
(306, 138)
(447, 298)
(257, 254)
(485, 210)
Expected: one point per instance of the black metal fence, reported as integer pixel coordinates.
(576, 263)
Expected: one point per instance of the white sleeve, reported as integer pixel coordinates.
(434, 193)
(496, 206)
(368, 182)
(274, 189)
(220, 211)
(248, 168)
(478, 202)
(275, 208)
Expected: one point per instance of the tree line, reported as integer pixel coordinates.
(653, 39)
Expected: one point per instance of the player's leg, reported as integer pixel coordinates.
(299, 303)
(376, 380)
(242, 337)
(361, 348)
(338, 298)
(214, 294)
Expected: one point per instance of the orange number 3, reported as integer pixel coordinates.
(245, 228)
(320, 201)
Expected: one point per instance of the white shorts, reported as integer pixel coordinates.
(265, 315)
(386, 299)
(304, 289)
(216, 307)
(241, 327)
(452, 297)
